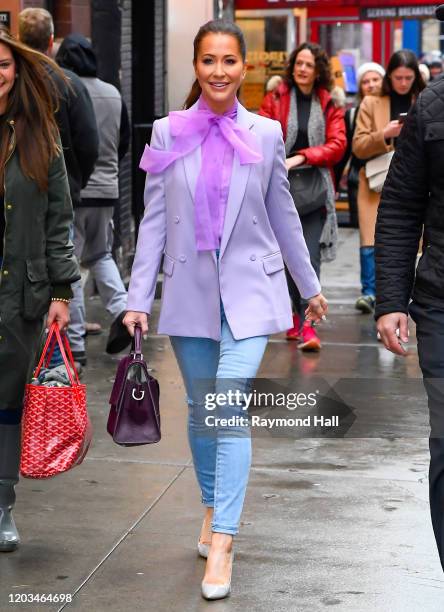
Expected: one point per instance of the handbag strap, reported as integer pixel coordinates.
(51, 350)
(137, 343)
(69, 355)
(54, 330)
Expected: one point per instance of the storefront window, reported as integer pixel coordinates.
(267, 41)
(349, 45)
(431, 35)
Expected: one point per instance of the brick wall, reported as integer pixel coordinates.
(71, 16)
(125, 222)
(75, 16)
(80, 16)
(33, 3)
(159, 59)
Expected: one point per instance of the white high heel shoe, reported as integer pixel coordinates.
(203, 549)
(218, 591)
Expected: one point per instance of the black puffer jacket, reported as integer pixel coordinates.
(413, 197)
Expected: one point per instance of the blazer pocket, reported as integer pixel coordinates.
(168, 265)
(37, 290)
(273, 263)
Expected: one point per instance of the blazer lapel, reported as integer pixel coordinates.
(192, 164)
(238, 183)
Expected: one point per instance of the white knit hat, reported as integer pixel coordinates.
(369, 67)
(425, 72)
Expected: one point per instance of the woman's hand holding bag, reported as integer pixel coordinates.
(135, 319)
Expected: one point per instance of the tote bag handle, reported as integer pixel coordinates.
(63, 344)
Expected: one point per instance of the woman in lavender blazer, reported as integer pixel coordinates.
(219, 210)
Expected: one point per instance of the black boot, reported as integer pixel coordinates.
(119, 337)
(9, 476)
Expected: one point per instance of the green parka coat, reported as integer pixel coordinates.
(37, 255)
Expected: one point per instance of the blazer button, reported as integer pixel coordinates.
(176, 219)
(9, 206)
(182, 258)
(255, 220)
(252, 257)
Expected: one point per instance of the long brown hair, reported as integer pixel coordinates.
(406, 59)
(217, 26)
(31, 105)
(322, 63)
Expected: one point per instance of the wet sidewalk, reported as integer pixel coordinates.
(329, 524)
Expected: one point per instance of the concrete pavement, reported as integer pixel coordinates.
(338, 524)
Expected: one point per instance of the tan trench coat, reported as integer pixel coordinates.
(368, 142)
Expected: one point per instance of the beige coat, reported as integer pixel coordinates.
(368, 142)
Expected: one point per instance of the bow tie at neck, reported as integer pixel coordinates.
(190, 129)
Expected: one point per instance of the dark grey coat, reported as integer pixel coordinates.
(37, 255)
(412, 201)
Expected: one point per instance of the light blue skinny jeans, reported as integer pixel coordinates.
(221, 455)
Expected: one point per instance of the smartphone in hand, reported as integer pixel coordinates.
(402, 117)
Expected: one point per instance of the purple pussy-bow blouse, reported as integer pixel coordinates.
(219, 137)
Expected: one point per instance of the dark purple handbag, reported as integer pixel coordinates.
(134, 417)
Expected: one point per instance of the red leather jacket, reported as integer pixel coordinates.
(276, 105)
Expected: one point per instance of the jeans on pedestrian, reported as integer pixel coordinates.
(430, 336)
(367, 260)
(56, 358)
(312, 226)
(221, 455)
(93, 248)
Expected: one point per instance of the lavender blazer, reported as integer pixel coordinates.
(262, 230)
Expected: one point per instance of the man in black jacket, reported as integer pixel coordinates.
(413, 201)
(75, 117)
(92, 218)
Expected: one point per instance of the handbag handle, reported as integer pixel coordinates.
(137, 348)
(55, 330)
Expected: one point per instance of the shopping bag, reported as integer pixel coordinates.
(56, 429)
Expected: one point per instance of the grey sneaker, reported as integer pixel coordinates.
(366, 304)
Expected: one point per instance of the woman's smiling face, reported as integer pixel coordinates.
(220, 70)
(7, 75)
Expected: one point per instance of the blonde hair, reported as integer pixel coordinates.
(36, 28)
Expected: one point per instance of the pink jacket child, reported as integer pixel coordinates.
(260, 232)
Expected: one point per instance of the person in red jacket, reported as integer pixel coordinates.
(314, 134)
